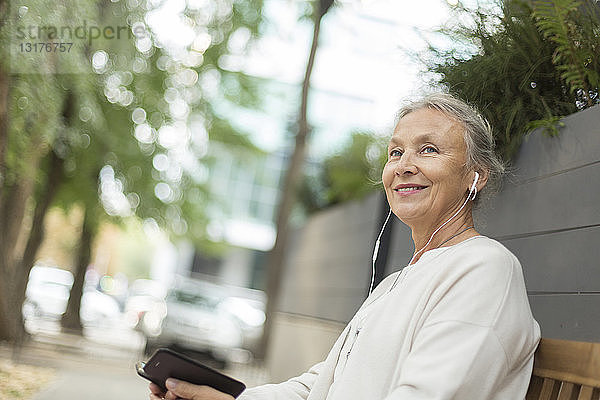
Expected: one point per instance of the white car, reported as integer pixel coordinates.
(99, 309)
(249, 314)
(47, 294)
(144, 295)
(190, 319)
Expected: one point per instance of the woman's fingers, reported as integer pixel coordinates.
(155, 389)
(155, 392)
(186, 390)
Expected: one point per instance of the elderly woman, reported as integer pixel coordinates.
(455, 323)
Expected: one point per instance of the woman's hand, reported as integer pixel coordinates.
(155, 392)
(184, 390)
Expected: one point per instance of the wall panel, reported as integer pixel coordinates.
(577, 145)
(566, 261)
(569, 316)
(328, 273)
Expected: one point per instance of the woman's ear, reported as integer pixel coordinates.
(482, 179)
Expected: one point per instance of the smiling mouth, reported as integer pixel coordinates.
(409, 189)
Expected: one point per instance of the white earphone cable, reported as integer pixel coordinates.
(376, 250)
(441, 226)
(472, 191)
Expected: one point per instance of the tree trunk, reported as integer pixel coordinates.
(10, 227)
(5, 259)
(289, 190)
(16, 194)
(71, 320)
(4, 91)
(12, 214)
(36, 237)
(4, 95)
(5, 329)
(14, 268)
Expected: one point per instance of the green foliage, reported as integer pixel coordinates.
(34, 105)
(509, 74)
(347, 175)
(549, 126)
(575, 31)
(37, 94)
(313, 10)
(87, 117)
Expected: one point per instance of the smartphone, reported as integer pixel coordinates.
(166, 363)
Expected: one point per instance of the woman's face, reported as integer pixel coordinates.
(425, 178)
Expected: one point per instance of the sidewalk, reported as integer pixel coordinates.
(91, 367)
(95, 382)
(99, 365)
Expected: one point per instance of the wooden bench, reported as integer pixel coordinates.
(565, 370)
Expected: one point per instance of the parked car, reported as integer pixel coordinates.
(249, 313)
(47, 294)
(99, 309)
(144, 295)
(189, 318)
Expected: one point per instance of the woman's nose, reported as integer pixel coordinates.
(405, 166)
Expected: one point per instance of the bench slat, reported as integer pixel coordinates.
(567, 389)
(535, 387)
(585, 393)
(547, 387)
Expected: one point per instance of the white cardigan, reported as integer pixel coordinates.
(454, 325)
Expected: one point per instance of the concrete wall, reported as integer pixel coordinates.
(325, 274)
(548, 214)
(326, 278)
(298, 342)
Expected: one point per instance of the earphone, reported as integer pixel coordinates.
(472, 192)
(376, 249)
(474, 187)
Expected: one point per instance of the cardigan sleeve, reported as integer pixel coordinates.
(297, 388)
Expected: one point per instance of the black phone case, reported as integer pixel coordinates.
(166, 363)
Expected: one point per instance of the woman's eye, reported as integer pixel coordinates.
(395, 153)
(429, 149)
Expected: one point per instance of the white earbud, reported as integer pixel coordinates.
(475, 180)
(473, 190)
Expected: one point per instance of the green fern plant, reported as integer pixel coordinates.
(576, 32)
(550, 125)
(510, 77)
(524, 70)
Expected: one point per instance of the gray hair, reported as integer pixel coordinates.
(478, 135)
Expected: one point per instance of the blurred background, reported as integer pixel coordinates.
(203, 174)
